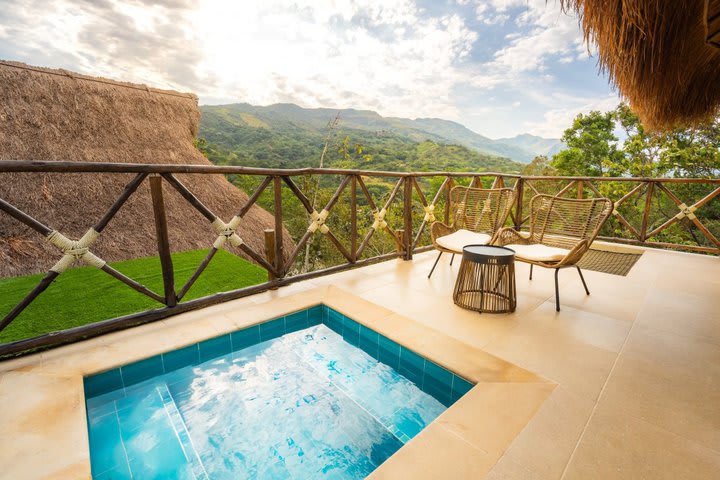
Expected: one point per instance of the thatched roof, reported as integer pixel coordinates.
(658, 55)
(56, 115)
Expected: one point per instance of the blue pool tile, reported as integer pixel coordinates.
(141, 427)
(351, 331)
(118, 473)
(215, 347)
(107, 452)
(325, 313)
(103, 404)
(245, 338)
(103, 383)
(272, 329)
(384, 448)
(335, 321)
(296, 321)
(438, 382)
(407, 423)
(439, 374)
(369, 341)
(142, 370)
(460, 387)
(388, 352)
(411, 366)
(438, 390)
(315, 315)
(181, 358)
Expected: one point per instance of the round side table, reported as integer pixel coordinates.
(486, 280)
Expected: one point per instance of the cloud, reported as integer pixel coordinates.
(550, 34)
(556, 120)
(391, 56)
(384, 55)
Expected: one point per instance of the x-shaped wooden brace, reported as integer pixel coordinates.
(317, 219)
(428, 208)
(227, 232)
(74, 250)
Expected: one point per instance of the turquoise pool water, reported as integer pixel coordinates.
(310, 395)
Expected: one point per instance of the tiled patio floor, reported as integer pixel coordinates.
(636, 363)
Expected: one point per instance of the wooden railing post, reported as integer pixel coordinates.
(519, 187)
(407, 216)
(399, 245)
(353, 219)
(277, 191)
(646, 212)
(580, 187)
(163, 240)
(450, 185)
(270, 251)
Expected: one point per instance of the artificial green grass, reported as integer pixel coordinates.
(84, 295)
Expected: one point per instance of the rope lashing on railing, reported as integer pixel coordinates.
(429, 213)
(74, 250)
(318, 221)
(227, 232)
(686, 211)
(379, 219)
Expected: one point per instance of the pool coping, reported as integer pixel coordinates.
(49, 430)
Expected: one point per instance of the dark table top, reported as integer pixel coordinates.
(482, 253)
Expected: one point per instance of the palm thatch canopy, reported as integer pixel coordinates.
(712, 14)
(662, 55)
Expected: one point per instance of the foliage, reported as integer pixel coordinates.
(230, 140)
(540, 166)
(73, 299)
(591, 146)
(595, 150)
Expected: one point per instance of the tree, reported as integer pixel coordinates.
(540, 166)
(640, 150)
(591, 147)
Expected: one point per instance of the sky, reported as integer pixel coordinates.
(499, 67)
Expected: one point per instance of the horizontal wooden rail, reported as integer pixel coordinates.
(29, 166)
(410, 207)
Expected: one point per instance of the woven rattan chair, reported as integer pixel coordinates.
(561, 231)
(478, 213)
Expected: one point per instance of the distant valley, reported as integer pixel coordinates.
(287, 136)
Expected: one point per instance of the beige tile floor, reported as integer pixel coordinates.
(637, 362)
(627, 380)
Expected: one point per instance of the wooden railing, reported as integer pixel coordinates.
(410, 200)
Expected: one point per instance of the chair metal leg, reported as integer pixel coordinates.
(435, 264)
(583, 280)
(531, 265)
(557, 291)
(452, 258)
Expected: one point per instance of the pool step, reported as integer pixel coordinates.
(182, 433)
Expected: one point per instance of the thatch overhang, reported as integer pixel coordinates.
(56, 115)
(661, 54)
(712, 22)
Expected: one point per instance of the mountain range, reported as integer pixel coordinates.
(521, 148)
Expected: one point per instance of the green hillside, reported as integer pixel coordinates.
(287, 136)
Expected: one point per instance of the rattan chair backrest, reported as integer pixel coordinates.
(482, 210)
(563, 222)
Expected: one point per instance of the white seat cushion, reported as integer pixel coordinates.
(538, 253)
(456, 241)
